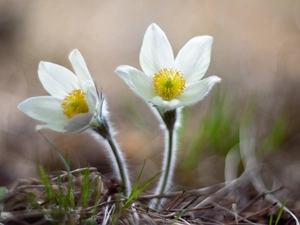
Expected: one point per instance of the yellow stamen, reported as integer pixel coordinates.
(75, 103)
(168, 84)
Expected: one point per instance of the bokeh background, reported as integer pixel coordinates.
(256, 52)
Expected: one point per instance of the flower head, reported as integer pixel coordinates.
(74, 102)
(169, 82)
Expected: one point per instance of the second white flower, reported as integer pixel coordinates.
(169, 82)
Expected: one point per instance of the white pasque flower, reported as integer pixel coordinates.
(73, 104)
(169, 82)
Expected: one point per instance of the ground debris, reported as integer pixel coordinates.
(28, 201)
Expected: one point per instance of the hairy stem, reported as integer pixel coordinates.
(170, 119)
(121, 166)
(116, 155)
(168, 167)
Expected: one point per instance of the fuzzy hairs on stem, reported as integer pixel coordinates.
(170, 121)
(104, 128)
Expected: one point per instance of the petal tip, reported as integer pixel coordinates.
(74, 53)
(118, 69)
(20, 106)
(42, 64)
(217, 79)
(38, 127)
(153, 25)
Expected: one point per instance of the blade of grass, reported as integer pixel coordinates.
(271, 220)
(89, 187)
(71, 187)
(59, 154)
(135, 187)
(179, 214)
(50, 193)
(3, 191)
(280, 213)
(85, 191)
(137, 191)
(96, 201)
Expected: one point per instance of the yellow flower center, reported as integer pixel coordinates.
(75, 103)
(168, 84)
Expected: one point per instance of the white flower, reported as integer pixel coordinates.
(73, 104)
(166, 82)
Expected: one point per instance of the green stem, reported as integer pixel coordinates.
(166, 177)
(168, 167)
(121, 166)
(118, 161)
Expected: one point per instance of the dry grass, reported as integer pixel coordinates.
(235, 202)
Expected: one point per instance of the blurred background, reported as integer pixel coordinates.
(256, 52)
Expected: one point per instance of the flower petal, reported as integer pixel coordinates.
(57, 80)
(156, 51)
(194, 58)
(196, 91)
(44, 108)
(125, 72)
(166, 105)
(91, 97)
(143, 85)
(79, 122)
(80, 69)
(139, 82)
(58, 127)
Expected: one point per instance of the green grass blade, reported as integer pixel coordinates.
(135, 186)
(271, 220)
(50, 193)
(3, 191)
(179, 215)
(58, 152)
(88, 188)
(96, 201)
(137, 192)
(71, 196)
(280, 213)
